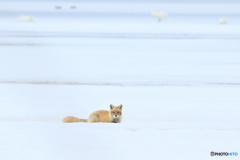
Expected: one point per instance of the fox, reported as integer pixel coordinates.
(114, 115)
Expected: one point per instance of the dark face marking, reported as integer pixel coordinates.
(115, 113)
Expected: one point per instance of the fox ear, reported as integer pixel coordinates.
(111, 106)
(120, 106)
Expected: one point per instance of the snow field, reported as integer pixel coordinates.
(178, 80)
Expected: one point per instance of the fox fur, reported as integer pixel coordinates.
(114, 115)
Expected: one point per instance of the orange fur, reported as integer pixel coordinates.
(71, 119)
(112, 116)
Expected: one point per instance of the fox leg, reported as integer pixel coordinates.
(93, 118)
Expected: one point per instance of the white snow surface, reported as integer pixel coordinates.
(178, 80)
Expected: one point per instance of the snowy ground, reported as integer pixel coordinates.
(178, 80)
(159, 122)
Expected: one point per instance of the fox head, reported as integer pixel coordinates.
(116, 111)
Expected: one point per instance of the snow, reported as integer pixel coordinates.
(178, 80)
(159, 122)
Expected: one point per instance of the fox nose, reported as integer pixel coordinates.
(115, 115)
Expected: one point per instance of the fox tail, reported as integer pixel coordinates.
(71, 119)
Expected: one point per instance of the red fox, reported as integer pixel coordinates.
(112, 116)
